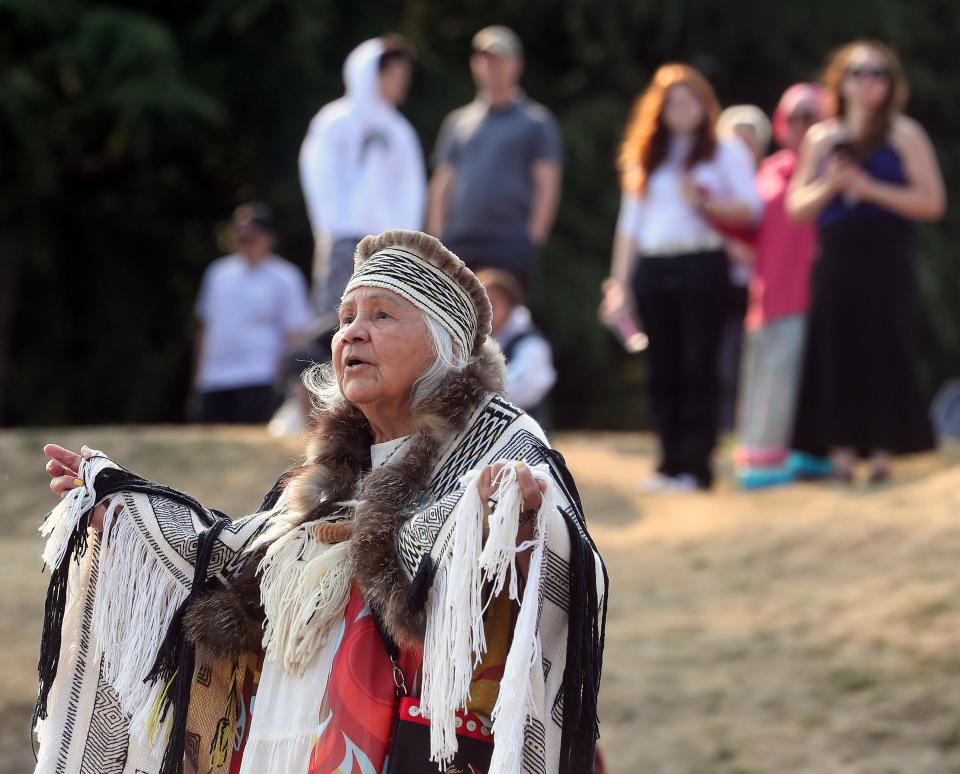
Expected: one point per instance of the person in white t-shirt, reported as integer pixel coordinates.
(252, 306)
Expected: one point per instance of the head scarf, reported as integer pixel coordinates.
(791, 99)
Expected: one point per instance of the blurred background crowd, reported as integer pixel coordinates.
(766, 258)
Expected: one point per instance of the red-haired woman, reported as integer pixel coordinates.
(867, 175)
(680, 183)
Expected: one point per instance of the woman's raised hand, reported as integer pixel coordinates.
(489, 480)
(532, 490)
(63, 467)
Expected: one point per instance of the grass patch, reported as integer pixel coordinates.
(850, 679)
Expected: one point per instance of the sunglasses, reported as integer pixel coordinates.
(877, 73)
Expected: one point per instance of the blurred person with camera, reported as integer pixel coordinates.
(252, 305)
(498, 167)
(682, 186)
(867, 175)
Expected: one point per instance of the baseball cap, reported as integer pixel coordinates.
(256, 213)
(497, 40)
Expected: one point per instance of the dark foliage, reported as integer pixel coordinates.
(129, 131)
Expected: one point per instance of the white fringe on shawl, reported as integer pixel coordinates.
(62, 521)
(135, 603)
(136, 597)
(455, 642)
(304, 588)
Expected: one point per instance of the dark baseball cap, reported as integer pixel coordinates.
(257, 214)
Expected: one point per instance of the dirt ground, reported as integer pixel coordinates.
(809, 629)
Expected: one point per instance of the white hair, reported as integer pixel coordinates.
(321, 380)
(746, 115)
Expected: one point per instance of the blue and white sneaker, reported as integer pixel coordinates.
(806, 467)
(758, 478)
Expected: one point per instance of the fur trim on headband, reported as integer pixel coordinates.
(432, 250)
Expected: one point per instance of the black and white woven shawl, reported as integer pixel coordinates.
(125, 610)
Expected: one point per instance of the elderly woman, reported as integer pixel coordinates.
(430, 552)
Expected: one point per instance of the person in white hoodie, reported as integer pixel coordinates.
(361, 166)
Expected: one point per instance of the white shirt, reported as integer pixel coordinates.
(361, 165)
(662, 222)
(382, 453)
(530, 372)
(248, 312)
(288, 704)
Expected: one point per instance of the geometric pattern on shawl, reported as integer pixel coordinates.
(487, 428)
(87, 729)
(108, 733)
(501, 431)
(497, 430)
(416, 537)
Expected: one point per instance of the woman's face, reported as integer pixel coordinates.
(380, 349)
(682, 111)
(866, 80)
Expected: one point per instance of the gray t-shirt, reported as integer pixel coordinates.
(492, 150)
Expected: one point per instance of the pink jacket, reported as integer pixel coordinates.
(784, 249)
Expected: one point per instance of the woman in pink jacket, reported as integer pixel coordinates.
(779, 296)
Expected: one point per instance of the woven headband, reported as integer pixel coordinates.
(423, 285)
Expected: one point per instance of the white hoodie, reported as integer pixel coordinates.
(361, 165)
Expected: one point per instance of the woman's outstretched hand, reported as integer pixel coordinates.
(63, 467)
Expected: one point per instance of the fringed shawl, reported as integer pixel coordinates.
(189, 588)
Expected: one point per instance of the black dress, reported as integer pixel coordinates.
(861, 385)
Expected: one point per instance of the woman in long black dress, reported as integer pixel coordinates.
(867, 175)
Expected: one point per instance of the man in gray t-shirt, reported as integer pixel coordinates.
(498, 166)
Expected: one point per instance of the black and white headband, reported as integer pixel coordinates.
(423, 285)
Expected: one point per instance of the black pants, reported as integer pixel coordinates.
(682, 302)
(731, 346)
(242, 405)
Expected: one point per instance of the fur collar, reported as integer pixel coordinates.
(338, 452)
(229, 621)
